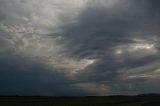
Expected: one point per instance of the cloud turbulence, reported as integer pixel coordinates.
(79, 47)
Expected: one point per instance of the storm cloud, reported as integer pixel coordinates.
(123, 39)
(79, 47)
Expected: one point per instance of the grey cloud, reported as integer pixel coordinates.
(22, 76)
(25, 53)
(122, 39)
(100, 30)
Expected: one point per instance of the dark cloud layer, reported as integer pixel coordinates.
(100, 30)
(21, 76)
(121, 39)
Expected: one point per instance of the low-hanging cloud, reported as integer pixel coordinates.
(124, 41)
(79, 47)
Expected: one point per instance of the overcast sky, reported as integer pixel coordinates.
(79, 47)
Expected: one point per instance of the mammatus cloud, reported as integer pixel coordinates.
(79, 47)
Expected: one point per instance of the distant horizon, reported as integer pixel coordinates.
(148, 94)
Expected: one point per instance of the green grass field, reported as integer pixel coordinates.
(80, 101)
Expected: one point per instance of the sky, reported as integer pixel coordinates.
(79, 47)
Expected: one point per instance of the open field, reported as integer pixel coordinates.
(81, 101)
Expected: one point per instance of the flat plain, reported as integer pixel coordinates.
(141, 100)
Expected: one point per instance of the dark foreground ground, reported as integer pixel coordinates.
(143, 100)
